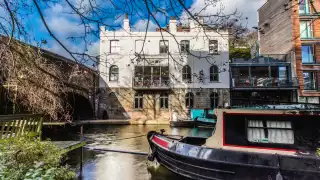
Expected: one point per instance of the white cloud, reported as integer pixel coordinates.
(248, 8)
(141, 25)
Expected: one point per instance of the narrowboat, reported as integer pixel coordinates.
(203, 117)
(198, 118)
(246, 144)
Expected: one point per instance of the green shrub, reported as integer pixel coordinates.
(29, 158)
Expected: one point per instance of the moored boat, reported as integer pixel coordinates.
(246, 144)
(184, 123)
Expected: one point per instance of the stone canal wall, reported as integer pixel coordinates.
(119, 103)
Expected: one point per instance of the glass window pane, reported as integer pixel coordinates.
(309, 81)
(307, 55)
(305, 29)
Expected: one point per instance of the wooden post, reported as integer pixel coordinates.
(81, 161)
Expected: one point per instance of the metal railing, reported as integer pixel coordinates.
(284, 106)
(264, 59)
(151, 84)
(265, 82)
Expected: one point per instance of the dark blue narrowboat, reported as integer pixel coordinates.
(246, 144)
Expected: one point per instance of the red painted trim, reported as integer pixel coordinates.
(262, 114)
(250, 147)
(223, 130)
(160, 142)
(257, 147)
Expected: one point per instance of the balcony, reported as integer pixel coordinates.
(265, 83)
(148, 84)
(263, 60)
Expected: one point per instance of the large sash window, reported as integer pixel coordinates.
(277, 132)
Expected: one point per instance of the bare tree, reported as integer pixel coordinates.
(90, 15)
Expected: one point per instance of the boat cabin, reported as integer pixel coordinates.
(205, 115)
(271, 131)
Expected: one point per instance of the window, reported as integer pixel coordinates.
(270, 132)
(138, 101)
(213, 47)
(164, 46)
(114, 73)
(189, 100)
(164, 101)
(186, 73)
(305, 29)
(214, 100)
(214, 73)
(114, 46)
(304, 7)
(185, 46)
(307, 54)
(309, 81)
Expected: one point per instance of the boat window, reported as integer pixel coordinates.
(270, 132)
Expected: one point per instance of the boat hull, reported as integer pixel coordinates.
(182, 124)
(197, 162)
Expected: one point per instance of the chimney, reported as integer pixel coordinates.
(126, 24)
(173, 25)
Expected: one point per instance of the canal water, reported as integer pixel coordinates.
(99, 165)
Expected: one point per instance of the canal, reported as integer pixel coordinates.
(111, 165)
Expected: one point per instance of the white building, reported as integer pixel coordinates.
(148, 75)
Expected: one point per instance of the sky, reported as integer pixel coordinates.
(65, 25)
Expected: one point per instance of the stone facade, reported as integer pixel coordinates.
(118, 103)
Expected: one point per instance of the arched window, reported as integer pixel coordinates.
(186, 73)
(189, 100)
(114, 73)
(214, 73)
(214, 100)
(138, 101)
(164, 101)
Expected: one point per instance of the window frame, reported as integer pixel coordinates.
(312, 54)
(215, 50)
(189, 97)
(165, 46)
(306, 7)
(185, 46)
(308, 27)
(114, 74)
(213, 73)
(186, 74)
(313, 80)
(139, 98)
(117, 47)
(266, 133)
(164, 101)
(214, 96)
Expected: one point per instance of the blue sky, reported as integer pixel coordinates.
(65, 25)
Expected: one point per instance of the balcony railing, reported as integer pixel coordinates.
(151, 84)
(263, 59)
(265, 83)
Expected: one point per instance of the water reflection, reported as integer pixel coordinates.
(113, 166)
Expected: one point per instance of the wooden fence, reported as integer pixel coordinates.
(20, 125)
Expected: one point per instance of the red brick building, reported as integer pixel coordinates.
(293, 27)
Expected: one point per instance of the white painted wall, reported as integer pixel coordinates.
(199, 46)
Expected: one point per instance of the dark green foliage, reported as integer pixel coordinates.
(239, 53)
(29, 158)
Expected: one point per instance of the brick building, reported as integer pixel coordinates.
(293, 28)
(148, 75)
